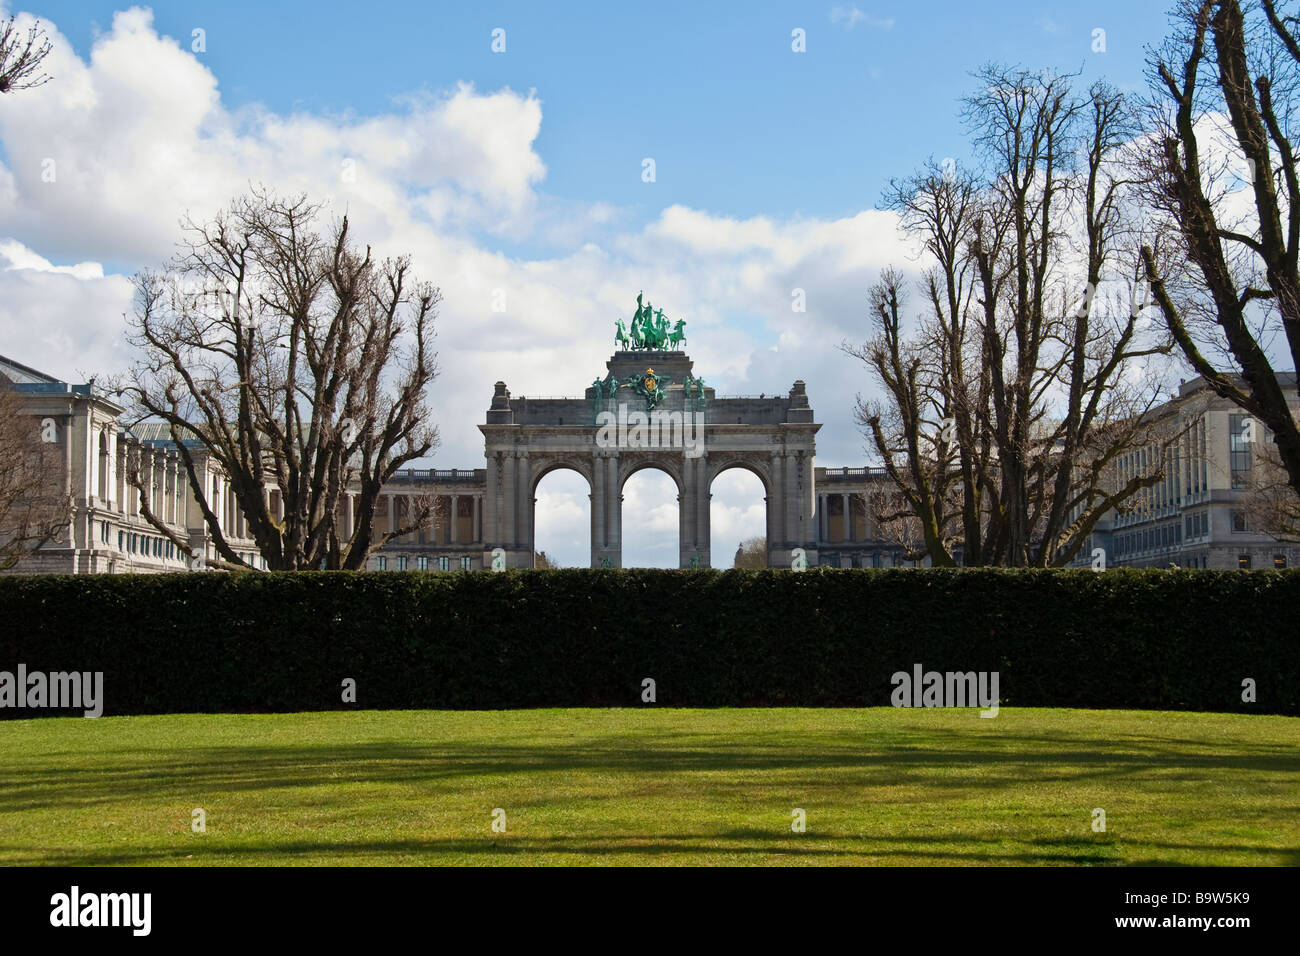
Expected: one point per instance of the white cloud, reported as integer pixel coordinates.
(64, 320)
(848, 16)
(18, 256)
(139, 137)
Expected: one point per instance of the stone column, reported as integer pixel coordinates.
(776, 504)
(90, 482)
(455, 513)
(700, 507)
(524, 484)
(597, 509)
(703, 513)
(844, 527)
(169, 490)
(110, 464)
(614, 512)
(491, 505)
(474, 533)
(687, 503)
(510, 506)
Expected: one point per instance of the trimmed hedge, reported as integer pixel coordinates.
(573, 638)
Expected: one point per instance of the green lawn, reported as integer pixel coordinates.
(657, 786)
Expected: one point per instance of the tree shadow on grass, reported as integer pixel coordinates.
(934, 763)
(746, 845)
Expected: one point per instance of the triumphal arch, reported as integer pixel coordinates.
(649, 410)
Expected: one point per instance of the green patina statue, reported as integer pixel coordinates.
(648, 385)
(650, 330)
(693, 387)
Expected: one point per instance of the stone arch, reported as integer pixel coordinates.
(747, 464)
(551, 466)
(547, 464)
(639, 465)
(772, 436)
(634, 462)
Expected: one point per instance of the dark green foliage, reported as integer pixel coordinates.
(1179, 640)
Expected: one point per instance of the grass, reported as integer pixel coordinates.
(653, 786)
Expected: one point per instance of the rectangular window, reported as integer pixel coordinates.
(1239, 521)
(422, 562)
(401, 562)
(1239, 433)
(1279, 561)
(444, 564)
(1243, 562)
(464, 563)
(381, 564)
(121, 541)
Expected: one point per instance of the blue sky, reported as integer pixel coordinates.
(737, 122)
(522, 172)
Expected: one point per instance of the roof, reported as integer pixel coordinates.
(157, 433)
(19, 374)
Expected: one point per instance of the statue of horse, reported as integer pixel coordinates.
(620, 336)
(648, 331)
(678, 335)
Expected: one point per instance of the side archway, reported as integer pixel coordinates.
(561, 522)
(738, 517)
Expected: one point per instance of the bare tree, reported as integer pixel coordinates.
(751, 553)
(21, 56)
(1223, 115)
(908, 431)
(1005, 413)
(298, 365)
(35, 501)
(1269, 502)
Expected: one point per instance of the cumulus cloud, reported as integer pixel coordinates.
(64, 320)
(101, 165)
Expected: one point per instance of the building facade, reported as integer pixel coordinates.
(106, 532)
(815, 514)
(1198, 516)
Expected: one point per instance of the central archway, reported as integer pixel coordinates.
(651, 518)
